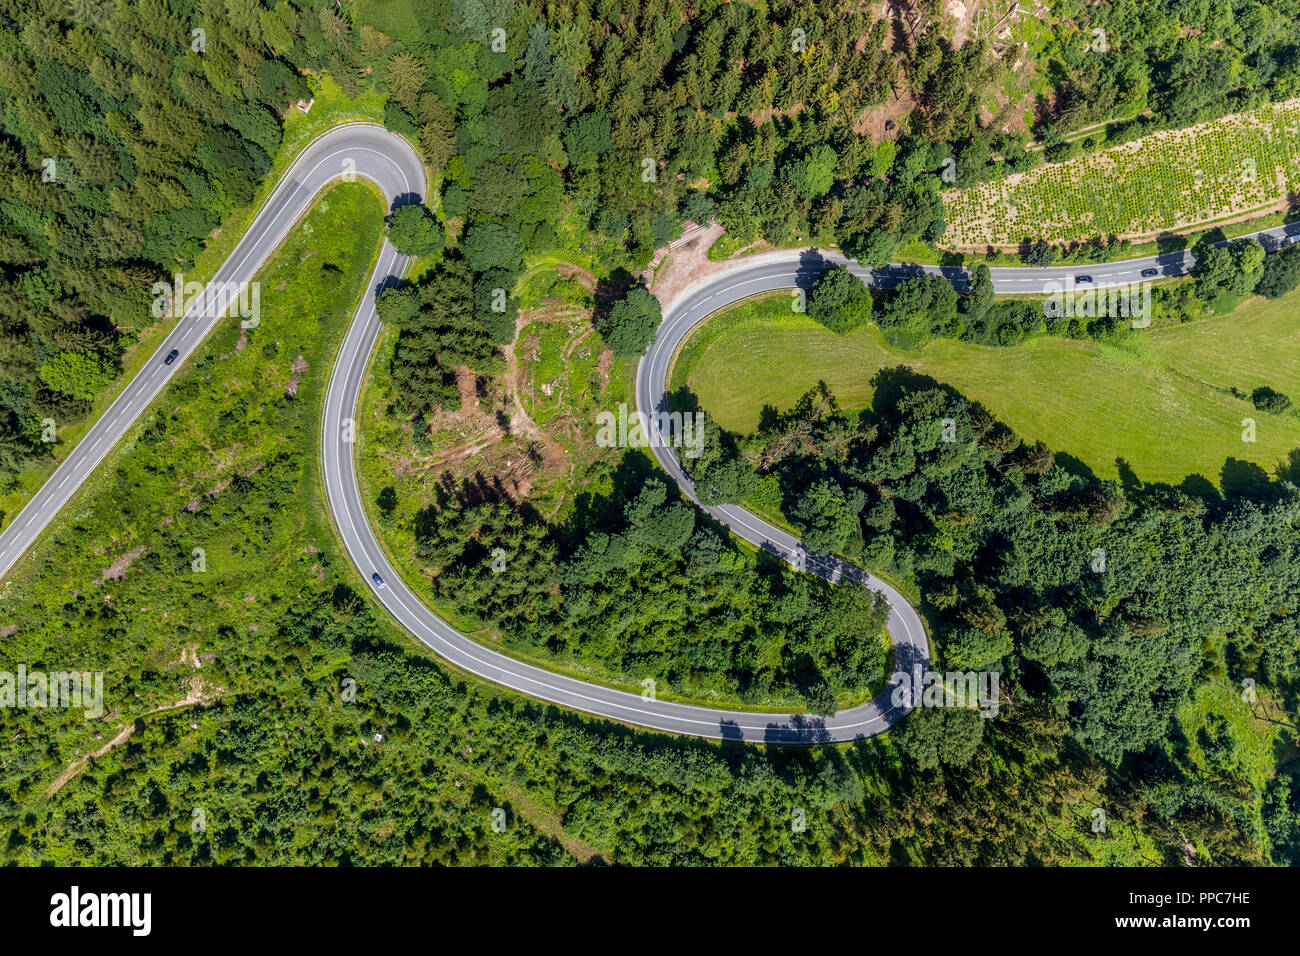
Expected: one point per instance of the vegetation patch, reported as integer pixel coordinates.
(1161, 405)
(1173, 180)
(1121, 609)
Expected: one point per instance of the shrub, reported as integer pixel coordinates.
(414, 231)
(840, 301)
(1268, 400)
(629, 327)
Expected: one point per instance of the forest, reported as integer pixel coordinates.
(1107, 603)
(130, 130)
(645, 585)
(129, 134)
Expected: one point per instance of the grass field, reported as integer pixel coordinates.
(391, 16)
(1172, 180)
(1161, 402)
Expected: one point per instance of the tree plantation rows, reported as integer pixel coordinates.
(131, 130)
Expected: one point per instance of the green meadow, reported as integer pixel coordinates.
(1162, 400)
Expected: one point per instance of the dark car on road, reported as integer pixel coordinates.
(1148, 273)
(1082, 280)
(379, 582)
(171, 356)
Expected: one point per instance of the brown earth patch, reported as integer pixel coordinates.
(299, 366)
(117, 570)
(886, 120)
(586, 278)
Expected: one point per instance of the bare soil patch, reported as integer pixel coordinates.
(117, 570)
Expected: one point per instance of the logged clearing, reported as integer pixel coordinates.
(1240, 166)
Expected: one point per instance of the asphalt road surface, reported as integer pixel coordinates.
(365, 150)
(387, 160)
(343, 495)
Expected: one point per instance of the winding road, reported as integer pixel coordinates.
(389, 161)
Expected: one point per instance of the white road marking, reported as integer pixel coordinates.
(343, 495)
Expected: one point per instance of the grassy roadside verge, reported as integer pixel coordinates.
(208, 467)
(331, 108)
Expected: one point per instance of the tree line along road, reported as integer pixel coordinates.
(391, 164)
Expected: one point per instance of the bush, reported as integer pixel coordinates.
(969, 647)
(820, 698)
(1037, 253)
(840, 301)
(940, 735)
(629, 327)
(665, 228)
(454, 201)
(414, 231)
(79, 374)
(1268, 400)
(872, 248)
(400, 121)
(495, 307)
(1281, 273)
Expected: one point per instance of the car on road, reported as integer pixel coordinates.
(1082, 280)
(171, 356)
(1148, 273)
(1291, 239)
(379, 582)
